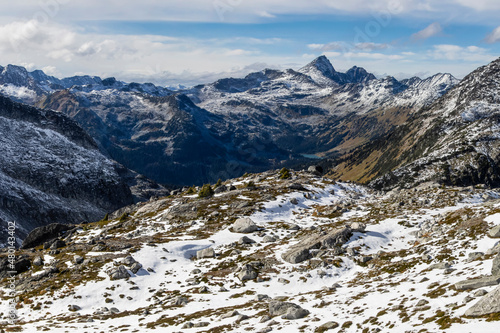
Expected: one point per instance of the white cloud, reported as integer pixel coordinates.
(431, 30)
(346, 47)
(494, 36)
(459, 53)
(236, 11)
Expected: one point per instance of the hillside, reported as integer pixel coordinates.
(300, 254)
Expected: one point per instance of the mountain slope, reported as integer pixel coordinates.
(454, 141)
(51, 171)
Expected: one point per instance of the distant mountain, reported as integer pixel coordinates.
(265, 120)
(51, 171)
(453, 141)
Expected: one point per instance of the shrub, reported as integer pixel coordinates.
(191, 190)
(124, 217)
(206, 191)
(250, 184)
(219, 183)
(285, 173)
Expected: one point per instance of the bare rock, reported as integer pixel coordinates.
(244, 225)
(490, 303)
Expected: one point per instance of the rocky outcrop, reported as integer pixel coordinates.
(301, 251)
(490, 303)
(244, 225)
(43, 234)
(478, 283)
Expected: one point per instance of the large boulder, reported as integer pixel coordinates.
(301, 251)
(205, 253)
(119, 273)
(244, 225)
(494, 232)
(478, 283)
(495, 268)
(490, 303)
(40, 235)
(247, 272)
(286, 309)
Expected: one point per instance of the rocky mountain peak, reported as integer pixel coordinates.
(359, 75)
(322, 65)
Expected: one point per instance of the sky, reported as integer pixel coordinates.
(171, 42)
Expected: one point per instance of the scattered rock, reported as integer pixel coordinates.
(128, 261)
(247, 272)
(135, 267)
(244, 225)
(57, 244)
(480, 293)
(301, 251)
(40, 235)
(229, 314)
(315, 170)
(490, 303)
(119, 273)
(209, 252)
(38, 261)
(478, 283)
(494, 232)
(73, 308)
(286, 309)
(440, 265)
(495, 268)
(269, 239)
(181, 300)
(246, 240)
(77, 259)
(327, 326)
(220, 189)
(294, 201)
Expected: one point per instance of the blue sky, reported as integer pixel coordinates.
(187, 42)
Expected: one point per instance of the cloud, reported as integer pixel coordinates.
(346, 47)
(451, 52)
(493, 37)
(431, 30)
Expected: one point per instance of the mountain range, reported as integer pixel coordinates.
(268, 119)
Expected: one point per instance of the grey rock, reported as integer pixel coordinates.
(43, 234)
(287, 309)
(294, 201)
(494, 250)
(57, 244)
(475, 255)
(77, 259)
(241, 318)
(181, 300)
(480, 293)
(221, 189)
(301, 251)
(245, 240)
(119, 273)
(73, 308)
(244, 225)
(247, 272)
(495, 267)
(135, 267)
(209, 252)
(315, 170)
(202, 324)
(196, 271)
(188, 325)
(328, 326)
(261, 297)
(229, 314)
(269, 239)
(494, 232)
(490, 303)
(114, 310)
(478, 283)
(128, 261)
(440, 265)
(38, 261)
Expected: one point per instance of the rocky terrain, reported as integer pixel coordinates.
(52, 171)
(276, 251)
